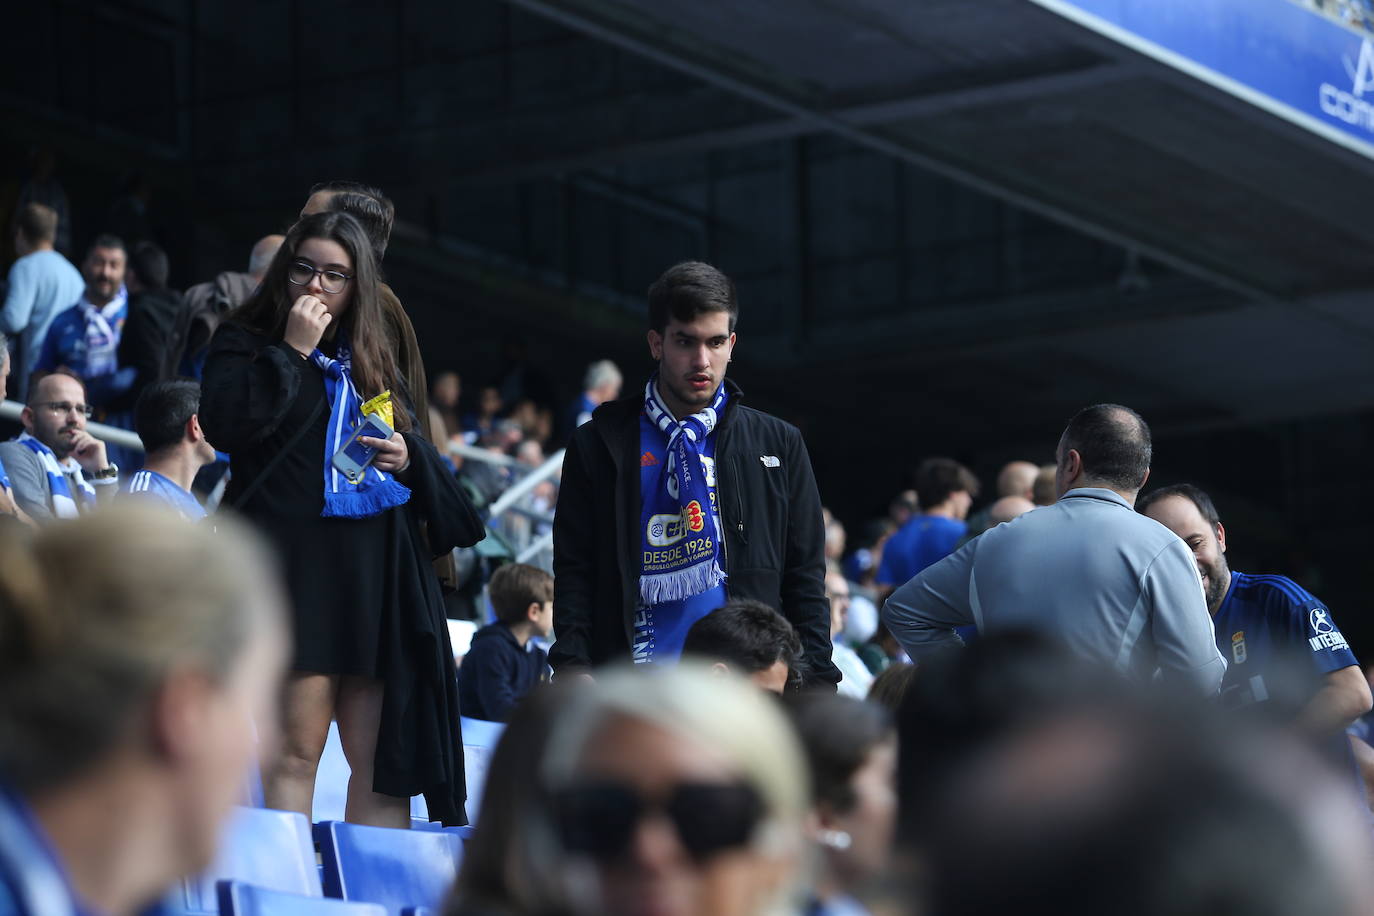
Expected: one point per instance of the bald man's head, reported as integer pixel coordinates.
(263, 253)
(1017, 479)
(1113, 447)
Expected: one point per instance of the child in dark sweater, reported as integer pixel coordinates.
(501, 666)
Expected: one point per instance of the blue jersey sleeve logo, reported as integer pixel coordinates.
(1325, 635)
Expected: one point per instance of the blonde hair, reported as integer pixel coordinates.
(95, 612)
(728, 715)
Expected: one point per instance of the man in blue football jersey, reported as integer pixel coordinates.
(1263, 623)
(167, 420)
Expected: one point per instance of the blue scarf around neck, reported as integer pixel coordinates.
(376, 491)
(681, 550)
(64, 503)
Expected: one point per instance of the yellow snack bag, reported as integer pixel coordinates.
(381, 406)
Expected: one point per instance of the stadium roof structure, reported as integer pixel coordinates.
(997, 208)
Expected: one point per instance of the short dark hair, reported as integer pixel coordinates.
(162, 412)
(149, 262)
(37, 223)
(368, 205)
(106, 240)
(837, 733)
(689, 289)
(1193, 494)
(514, 587)
(747, 635)
(939, 478)
(1114, 443)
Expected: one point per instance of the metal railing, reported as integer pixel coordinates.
(526, 529)
(10, 410)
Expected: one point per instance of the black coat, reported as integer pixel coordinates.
(364, 597)
(774, 534)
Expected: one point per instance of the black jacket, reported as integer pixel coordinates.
(770, 510)
(497, 672)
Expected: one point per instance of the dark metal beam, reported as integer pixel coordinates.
(629, 30)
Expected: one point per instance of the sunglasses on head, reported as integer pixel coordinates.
(599, 819)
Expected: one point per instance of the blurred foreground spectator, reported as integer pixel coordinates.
(140, 665)
(678, 793)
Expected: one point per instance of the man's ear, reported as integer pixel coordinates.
(1221, 536)
(1073, 464)
(533, 611)
(193, 430)
(26, 417)
(655, 344)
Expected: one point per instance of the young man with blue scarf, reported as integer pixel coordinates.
(678, 497)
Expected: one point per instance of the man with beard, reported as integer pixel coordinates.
(57, 468)
(678, 497)
(1276, 637)
(85, 338)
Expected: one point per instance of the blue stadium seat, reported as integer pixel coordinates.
(238, 898)
(481, 733)
(396, 868)
(479, 741)
(268, 848)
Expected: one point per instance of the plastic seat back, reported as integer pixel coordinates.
(264, 847)
(238, 898)
(396, 868)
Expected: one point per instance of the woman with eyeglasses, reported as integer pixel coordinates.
(285, 380)
(673, 794)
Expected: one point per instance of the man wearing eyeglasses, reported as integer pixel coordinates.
(57, 468)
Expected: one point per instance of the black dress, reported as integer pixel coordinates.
(365, 598)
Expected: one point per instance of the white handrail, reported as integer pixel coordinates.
(486, 456)
(10, 410)
(527, 484)
(539, 545)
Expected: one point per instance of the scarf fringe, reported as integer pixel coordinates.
(365, 503)
(681, 584)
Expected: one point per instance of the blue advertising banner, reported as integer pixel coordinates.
(1308, 61)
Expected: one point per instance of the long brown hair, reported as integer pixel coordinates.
(371, 337)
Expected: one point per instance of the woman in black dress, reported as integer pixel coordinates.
(284, 380)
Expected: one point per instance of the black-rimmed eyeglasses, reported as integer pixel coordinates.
(331, 281)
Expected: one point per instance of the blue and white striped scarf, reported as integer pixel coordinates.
(681, 546)
(63, 504)
(376, 491)
(104, 326)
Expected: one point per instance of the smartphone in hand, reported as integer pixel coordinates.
(352, 460)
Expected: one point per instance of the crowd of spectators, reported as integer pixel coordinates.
(1056, 694)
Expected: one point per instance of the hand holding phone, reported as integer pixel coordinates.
(353, 458)
(393, 456)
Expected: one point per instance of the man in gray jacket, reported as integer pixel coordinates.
(1111, 584)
